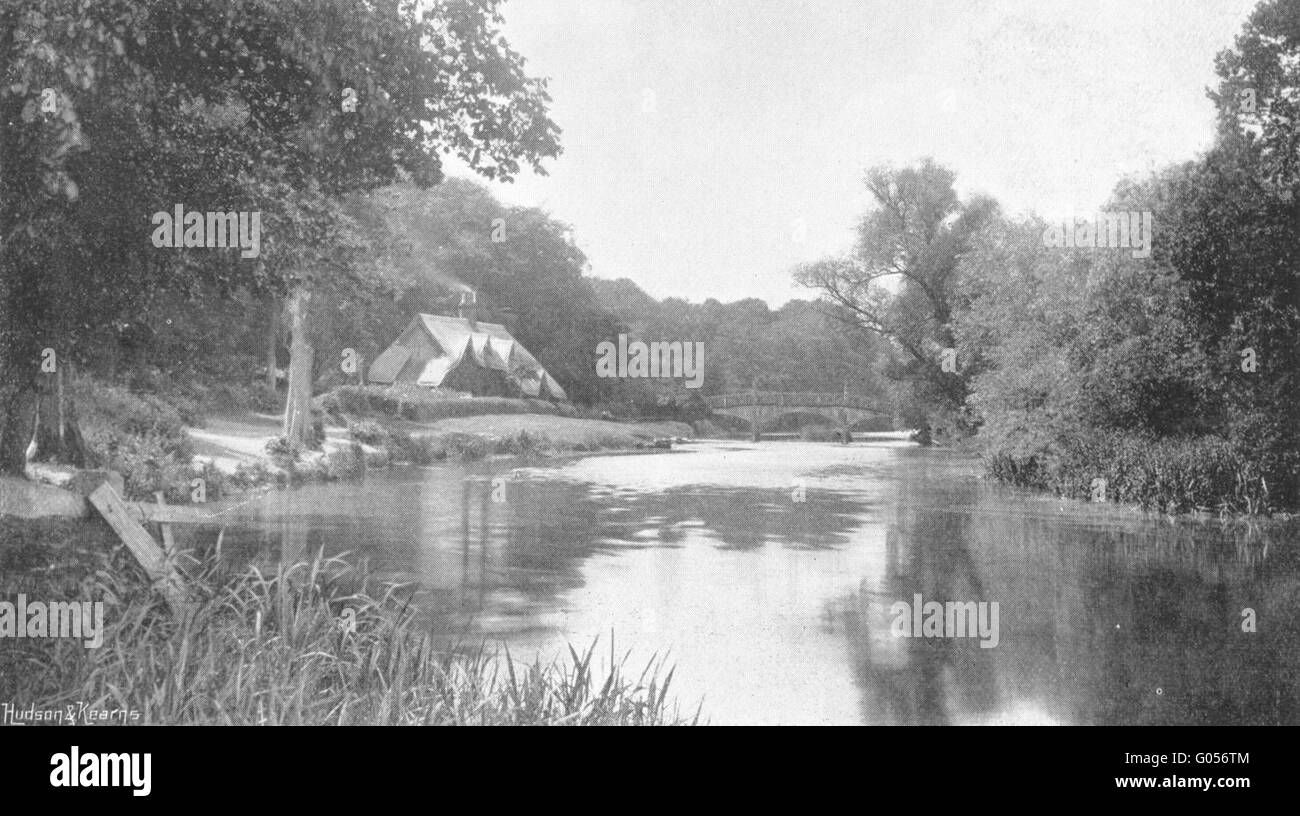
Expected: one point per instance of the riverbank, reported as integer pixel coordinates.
(308, 645)
(242, 446)
(203, 450)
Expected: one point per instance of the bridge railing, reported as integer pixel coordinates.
(793, 399)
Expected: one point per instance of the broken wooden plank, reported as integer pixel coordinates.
(142, 546)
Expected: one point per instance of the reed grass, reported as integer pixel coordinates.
(1206, 474)
(311, 644)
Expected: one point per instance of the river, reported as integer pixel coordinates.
(770, 576)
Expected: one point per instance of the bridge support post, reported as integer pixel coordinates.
(755, 435)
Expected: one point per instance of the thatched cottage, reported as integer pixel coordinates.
(463, 354)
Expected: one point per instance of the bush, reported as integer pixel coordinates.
(279, 446)
(140, 435)
(248, 475)
(368, 432)
(348, 462)
(109, 414)
(216, 484)
(418, 450)
(523, 443)
(466, 447)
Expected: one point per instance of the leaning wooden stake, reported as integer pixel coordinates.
(142, 546)
(169, 542)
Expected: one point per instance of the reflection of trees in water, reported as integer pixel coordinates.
(1099, 608)
(1104, 618)
(1155, 633)
(523, 543)
(509, 557)
(1184, 658)
(737, 518)
(920, 680)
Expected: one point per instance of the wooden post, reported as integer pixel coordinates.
(169, 543)
(142, 546)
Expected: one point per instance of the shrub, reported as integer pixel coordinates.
(253, 475)
(279, 446)
(140, 435)
(466, 447)
(110, 413)
(216, 484)
(347, 462)
(368, 432)
(523, 443)
(418, 450)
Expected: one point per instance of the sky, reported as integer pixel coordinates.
(710, 146)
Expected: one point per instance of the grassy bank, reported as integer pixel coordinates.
(312, 644)
(162, 440)
(417, 404)
(419, 425)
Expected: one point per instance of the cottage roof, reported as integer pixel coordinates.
(489, 345)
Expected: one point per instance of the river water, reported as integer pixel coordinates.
(772, 576)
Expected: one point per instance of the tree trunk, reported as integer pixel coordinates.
(19, 420)
(58, 437)
(297, 408)
(272, 343)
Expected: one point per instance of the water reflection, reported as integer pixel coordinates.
(1106, 617)
(775, 602)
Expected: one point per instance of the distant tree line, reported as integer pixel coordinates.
(746, 344)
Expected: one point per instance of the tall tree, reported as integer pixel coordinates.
(1233, 234)
(899, 281)
(279, 106)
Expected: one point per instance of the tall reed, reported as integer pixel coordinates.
(312, 644)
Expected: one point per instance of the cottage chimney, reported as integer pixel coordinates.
(468, 307)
